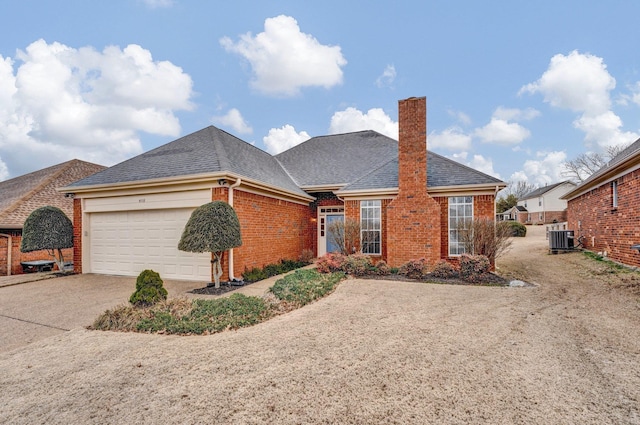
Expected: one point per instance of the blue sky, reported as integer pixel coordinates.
(513, 88)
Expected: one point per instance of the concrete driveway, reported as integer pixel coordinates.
(37, 306)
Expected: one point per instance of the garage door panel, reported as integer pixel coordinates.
(127, 242)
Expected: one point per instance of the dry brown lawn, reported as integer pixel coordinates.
(566, 351)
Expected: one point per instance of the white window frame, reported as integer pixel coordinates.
(371, 222)
(614, 194)
(458, 204)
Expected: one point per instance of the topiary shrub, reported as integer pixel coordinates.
(331, 262)
(149, 289)
(474, 268)
(414, 269)
(517, 229)
(444, 270)
(47, 228)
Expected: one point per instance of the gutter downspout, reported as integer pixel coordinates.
(236, 184)
(9, 249)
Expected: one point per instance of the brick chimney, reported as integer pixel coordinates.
(413, 217)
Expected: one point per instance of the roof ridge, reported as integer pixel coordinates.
(63, 167)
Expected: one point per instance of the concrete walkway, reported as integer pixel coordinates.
(40, 305)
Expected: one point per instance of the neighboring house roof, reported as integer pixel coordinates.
(21, 195)
(363, 160)
(517, 208)
(208, 151)
(541, 191)
(628, 158)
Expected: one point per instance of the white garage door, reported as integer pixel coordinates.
(127, 242)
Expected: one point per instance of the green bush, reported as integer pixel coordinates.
(382, 268)
(149, 289)
(284, 266)
(304, 286)
(517, 229)
(253, 275)
(209, 316)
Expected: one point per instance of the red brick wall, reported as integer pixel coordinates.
(17, 256)
(605, 228)
(272, 230)
(413, 217)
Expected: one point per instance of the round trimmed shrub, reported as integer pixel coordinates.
(149, 289)
(517, 229)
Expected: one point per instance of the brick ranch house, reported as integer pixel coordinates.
(21, 195)
(545, 204)
(605, 208)
(407, 200)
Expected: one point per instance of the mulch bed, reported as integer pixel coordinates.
(490, 279)
(223, 289)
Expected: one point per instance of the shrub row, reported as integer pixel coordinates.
(472, 268)
(255, 274)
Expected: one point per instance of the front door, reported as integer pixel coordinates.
(326, 216)
(332, 246)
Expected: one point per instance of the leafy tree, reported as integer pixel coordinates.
(215, 228)
(506, 203)
(48, 228)
(585, 164)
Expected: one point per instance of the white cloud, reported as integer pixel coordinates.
(62, 103)
(578, 81)
(4, 171)
(545, 170)
(233, 119)
(280, 139)
(387, 78)
(581, 83)
(461, 117)
(452, 138)
(284, 59)
(503, 132)
(352, 119)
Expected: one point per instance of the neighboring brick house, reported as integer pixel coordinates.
(604, 209)
(545, 205)
(21, 195)
(407, 200)
(515, 213)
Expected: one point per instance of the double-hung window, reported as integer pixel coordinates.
(460, 218)
(370, 227)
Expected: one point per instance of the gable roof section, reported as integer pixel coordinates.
(625, 160)
(441, 172)
(21, 195)
(338, 159)
(542, 190)
(207, 151)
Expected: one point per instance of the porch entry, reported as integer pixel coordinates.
(326, 216)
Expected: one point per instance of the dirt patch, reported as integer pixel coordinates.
(388, 352)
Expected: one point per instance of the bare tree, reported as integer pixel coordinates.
(482, 236)
(517, 188)
(346, 235)
(585, 164)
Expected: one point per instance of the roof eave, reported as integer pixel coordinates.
(630, 164)
(182, 180)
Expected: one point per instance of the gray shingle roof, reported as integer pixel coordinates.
(542, 190)
(362, 160)
(337, 159)
(206, 151)
(441, 171)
